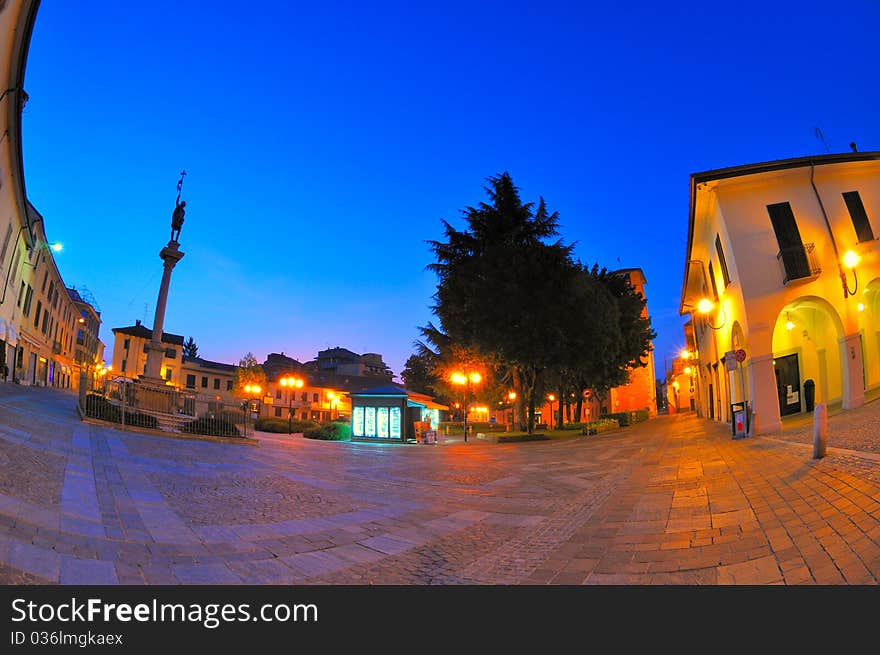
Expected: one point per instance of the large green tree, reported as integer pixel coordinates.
(511, 297)
(500, 283)
(248, 372)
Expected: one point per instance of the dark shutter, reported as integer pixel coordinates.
(791, 248)
(712, 280)
(721, 261)
(859, 216)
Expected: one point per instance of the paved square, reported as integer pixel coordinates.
(671, 501)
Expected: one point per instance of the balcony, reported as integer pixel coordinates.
(798, 264)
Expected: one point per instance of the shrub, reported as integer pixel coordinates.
(280, 425)
(334, 431)
(213, 426)
(600, 425)
(473, 426)
(641, 415)
(100, 408)
(623, 418)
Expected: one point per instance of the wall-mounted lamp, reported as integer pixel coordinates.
(705, 307)
(850, 261)
(789, 324)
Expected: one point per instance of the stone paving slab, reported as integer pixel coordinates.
(673, 500)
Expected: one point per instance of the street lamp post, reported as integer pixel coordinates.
(333, 405)
(465, 380)
(511, 399)
(292, 383)
(253, 392)
(551, 398)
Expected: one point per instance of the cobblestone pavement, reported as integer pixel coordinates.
(674, 500)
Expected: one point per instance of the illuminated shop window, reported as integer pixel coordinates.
(370, 422)
(382, 422)
(357, 422)
(395, 422)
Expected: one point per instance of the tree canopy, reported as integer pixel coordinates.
(511, 299)
(190, 349)
(249, 372)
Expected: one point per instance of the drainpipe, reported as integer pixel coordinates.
(830, 232)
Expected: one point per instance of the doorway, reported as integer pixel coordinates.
(788, 384)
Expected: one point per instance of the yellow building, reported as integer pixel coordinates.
(783, 269)
(130, 355)
(17, 239)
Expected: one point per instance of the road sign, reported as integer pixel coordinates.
(740, 355)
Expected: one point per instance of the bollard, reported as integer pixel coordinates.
(820, 430)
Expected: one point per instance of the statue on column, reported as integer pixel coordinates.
(177, 216)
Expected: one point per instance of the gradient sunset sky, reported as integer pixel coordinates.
(324, 142)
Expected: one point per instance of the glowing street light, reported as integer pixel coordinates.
(334, 401)
(293, 383)
(551, 398)
(465, 380)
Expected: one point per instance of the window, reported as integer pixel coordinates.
(45, 277)
(277, 394)
(304, 396)
(45, 321)
(15, 262)
(722, 262)
(228, 385)
(125, 344)
(791, 248)
(216, 383)
(315, 397)
(28, 299)
(124, 362)
(20, 294)
(5, 244)
(190, 381)
(204, 382)
(170, 353)
(168, 372)
(51, 293)
(37, 315)
(277, 411)
(859, 216)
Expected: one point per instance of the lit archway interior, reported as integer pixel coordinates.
(806, 352)
(869, 328)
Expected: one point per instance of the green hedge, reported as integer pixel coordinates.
(333, 431)
(458, 426)
(100, 408)
(623, 418)
(212, 426)
(600, 425)
(280, 425)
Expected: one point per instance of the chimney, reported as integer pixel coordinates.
(853, 146)
(137, 322)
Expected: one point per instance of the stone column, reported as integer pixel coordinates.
(170, 255)
(852, 371)
(763, 392)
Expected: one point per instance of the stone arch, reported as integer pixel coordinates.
(806, 343)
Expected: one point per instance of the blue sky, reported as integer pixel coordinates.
(324, 143)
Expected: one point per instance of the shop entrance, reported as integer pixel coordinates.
(788, 384)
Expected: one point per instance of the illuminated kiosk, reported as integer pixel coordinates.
(387, 414)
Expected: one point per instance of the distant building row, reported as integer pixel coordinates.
(326, 380)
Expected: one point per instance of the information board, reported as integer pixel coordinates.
(395, 422)
(382, 422)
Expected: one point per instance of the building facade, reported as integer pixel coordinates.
(782, 282)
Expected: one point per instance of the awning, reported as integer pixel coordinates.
(8, 333)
